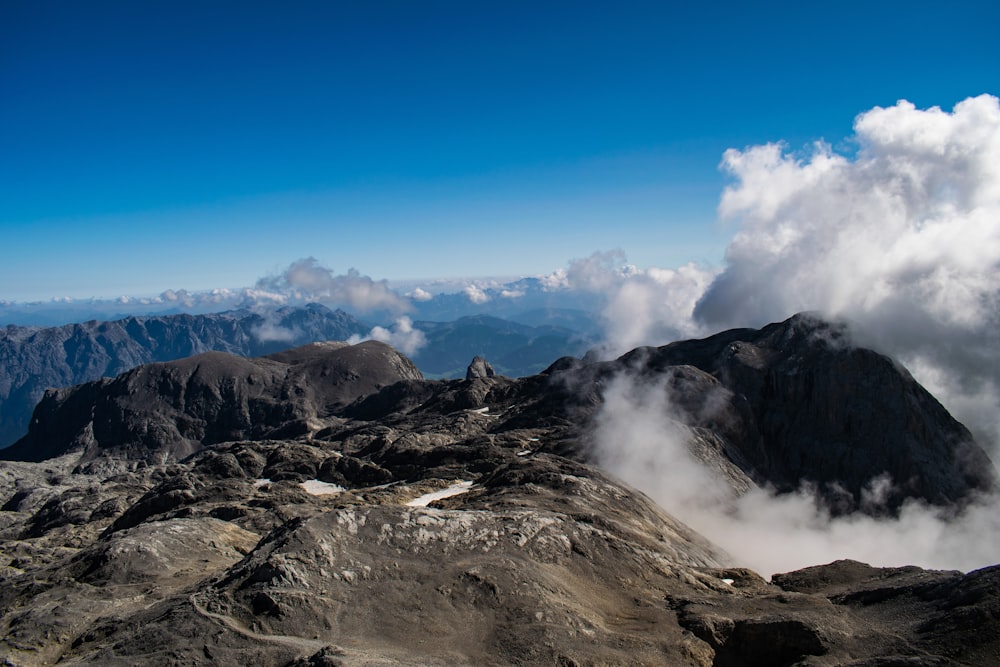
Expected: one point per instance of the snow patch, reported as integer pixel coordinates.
(318, 488)
(448, 492)
(261, 483)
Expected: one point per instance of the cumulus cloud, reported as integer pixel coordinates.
(476, 294)
(402, 335)
(640, 438)
(420, 294)
(902, 239)
(307, 280)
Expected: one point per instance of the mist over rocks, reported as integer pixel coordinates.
(800, 403)
(792, 404)
(342, 508)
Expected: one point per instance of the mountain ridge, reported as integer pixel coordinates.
(34, 359)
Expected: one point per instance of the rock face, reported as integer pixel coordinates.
(338, 509)
(479, 368)
(790, 404)
(33, 359)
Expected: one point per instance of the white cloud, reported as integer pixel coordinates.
(641, 306)
(403, 336)
(902, 239)
(273, 332)
(476, 294)
(306, 280)
(419, 294)
(557, 280)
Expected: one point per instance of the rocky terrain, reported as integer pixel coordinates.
(329, 506)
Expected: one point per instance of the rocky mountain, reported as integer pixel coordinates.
(33, 359)
(329, 506)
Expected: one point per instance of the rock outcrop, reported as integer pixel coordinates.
(479, 368)
(793, 403)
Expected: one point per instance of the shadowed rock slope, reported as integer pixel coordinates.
(384, 519)
(167, 411)
(33, 359)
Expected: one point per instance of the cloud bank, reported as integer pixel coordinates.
(900, 238)
(639, 306)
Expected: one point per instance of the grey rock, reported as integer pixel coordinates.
(479, 368)
(793, 403)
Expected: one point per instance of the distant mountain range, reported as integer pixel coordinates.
(527, 300)
(33, 359)
(514, 349)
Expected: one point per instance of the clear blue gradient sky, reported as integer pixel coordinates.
(155, 145)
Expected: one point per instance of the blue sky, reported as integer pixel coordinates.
(147, 146)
